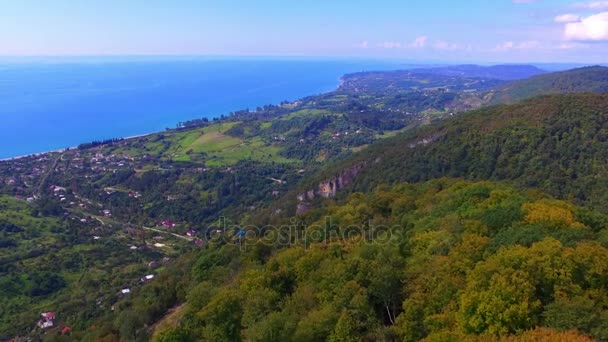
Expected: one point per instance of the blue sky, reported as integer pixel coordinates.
(437, 30)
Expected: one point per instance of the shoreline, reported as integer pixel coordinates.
(61, 150)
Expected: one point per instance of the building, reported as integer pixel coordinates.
(147, 278)
(47, 320)
(168, 224)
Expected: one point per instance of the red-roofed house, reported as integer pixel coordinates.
(48, 315)
(47, 320)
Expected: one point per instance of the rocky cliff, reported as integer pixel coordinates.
(328, 188)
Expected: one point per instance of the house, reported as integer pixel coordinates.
(191, 232)
(48, 315)
(134, 194)
(107, 213)
(125, 291)
(168, 224)
(65, 330)
(153, 264)
(47, 320)
(147, 278)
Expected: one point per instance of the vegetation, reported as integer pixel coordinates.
(189, 234)
(498, 72)
(582, 80)
(439, 260)
(553, 142)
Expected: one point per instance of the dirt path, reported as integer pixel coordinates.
(187, 238)
(48, 173)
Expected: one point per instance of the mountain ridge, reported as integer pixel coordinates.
(482, 144)
(580, 80)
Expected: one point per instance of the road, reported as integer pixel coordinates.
(187, 238)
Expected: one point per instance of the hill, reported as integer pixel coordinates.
(93, 221)
(555, 142)
(81, 225)
(443, 260)
(506, 72)
(415, 80)
(592, 79)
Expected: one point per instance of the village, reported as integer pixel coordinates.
(96, 216)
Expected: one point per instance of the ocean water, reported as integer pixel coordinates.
(49, 105)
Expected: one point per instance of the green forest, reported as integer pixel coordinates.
(403, 206)
(441, 260)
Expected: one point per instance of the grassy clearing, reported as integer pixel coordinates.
(217, 149)
(305, 112)
(209, 144)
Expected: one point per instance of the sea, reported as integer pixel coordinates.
(55, 103)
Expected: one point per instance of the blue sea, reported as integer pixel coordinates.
(53, 104)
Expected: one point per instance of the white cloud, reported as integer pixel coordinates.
(569, 46)
(447, 46)
(567, 18)
(504, 46)
(508, 46)
(390, 45)
(363, 45)
(593, 5)
(419, 42)
(592, 28)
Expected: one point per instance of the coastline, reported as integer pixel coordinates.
(340, 83)
(61, 150)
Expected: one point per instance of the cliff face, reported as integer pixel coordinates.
(328, 188)
(426, 140)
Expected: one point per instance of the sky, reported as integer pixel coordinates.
(433, 30)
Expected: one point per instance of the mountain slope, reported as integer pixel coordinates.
(507, 72)
(460, 261)
(558, 143)
(592, 79)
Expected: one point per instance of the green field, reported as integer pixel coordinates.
(210, 145)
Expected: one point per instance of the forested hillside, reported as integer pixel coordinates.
(557, 143)
(441, 260)
(416, 218)
(505, 72)
(589, 79)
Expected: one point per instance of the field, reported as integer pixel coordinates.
(210, 145)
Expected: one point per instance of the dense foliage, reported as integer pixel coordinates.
(581, 80)
(557, 143)
(498, 72)
(439, 260)
(153, 237)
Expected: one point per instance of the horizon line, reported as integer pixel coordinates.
(4, 58)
